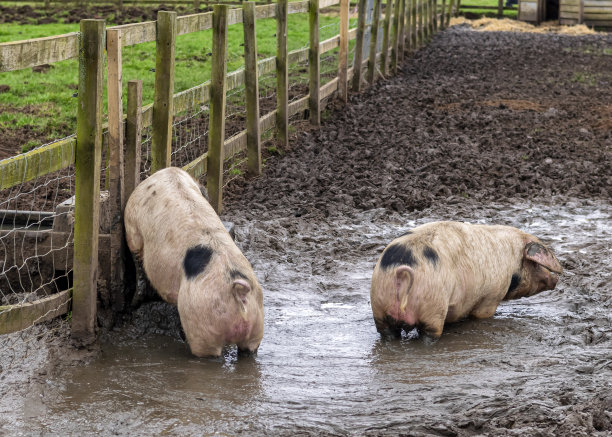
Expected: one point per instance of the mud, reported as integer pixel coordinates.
(483, 127)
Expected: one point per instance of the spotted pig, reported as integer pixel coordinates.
(445, 271)
(192, 262)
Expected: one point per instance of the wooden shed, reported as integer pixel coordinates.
(593, 13)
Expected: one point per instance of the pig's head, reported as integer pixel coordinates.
(539, 271)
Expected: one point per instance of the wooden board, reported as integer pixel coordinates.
(15, 318)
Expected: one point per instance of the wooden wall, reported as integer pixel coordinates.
(593, 13)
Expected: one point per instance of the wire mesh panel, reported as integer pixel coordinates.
(267, 93)
(235, 111)
(189, 135)
(36, 229)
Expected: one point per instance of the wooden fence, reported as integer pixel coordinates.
(407, 24)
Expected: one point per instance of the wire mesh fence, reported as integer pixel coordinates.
(189, 135)
(36, 229)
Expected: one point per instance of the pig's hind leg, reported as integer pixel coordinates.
(141, 282)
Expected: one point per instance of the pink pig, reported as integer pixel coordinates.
(445, 271)
(192, 262)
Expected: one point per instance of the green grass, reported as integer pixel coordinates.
(487, 12)
(48, 101)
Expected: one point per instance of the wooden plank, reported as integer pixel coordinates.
(265, 11)
(36, 163)
(133, 131)
(373, 43)
(15, 318)
(282, 74)
(216, 133)
(314, 64)
(17, 55)
(118, 251)
(87, 179)
(253, 137)
(161, 136)
(193, 23)
(327, 3)
(343, 52)
(234, 16)
(137, 33)
(329, 44)
(197, 167)
(298, 7)
(358, 57)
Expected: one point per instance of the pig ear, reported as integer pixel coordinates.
(540, 254)
(241, 288)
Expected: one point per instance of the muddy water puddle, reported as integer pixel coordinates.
(322, 367)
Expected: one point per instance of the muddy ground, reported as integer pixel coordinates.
(484, 127)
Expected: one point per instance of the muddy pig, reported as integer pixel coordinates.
(192, 262)
(445, 271)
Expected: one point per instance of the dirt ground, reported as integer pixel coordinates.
(494, 127)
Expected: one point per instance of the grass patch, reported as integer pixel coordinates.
(54, 90)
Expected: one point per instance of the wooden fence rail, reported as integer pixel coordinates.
(407, 23)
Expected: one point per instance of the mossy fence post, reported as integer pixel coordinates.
(218, 85)
(282, 74)
(402, 32)
(357, 67)
(87, 179)
(314, 64)
(343, 51)
(395, 44)
(386, 37)
(116, 264)
(161, 138)
(252, 89)
(373, 43)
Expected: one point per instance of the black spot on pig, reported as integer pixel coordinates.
(154, 193)
(514, 282)
(196, 260)
(235, 274)
(431, 255)
(397, 255)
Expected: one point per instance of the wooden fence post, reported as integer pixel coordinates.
(451, 5)
(420, 12)
(435, 16)
(423, 21)
(415, 24)
(282, 74)
(430, 5)
(358, 58)
(343, 51)
(116, 169)
(373, 43)
(133, 130)
(394, 56)
(402, 32)
(161, 138)
(580, 12)
(386, 32)
(87, 180)
(314, 64)
(252, 89)
(216, 132)
(442, 17)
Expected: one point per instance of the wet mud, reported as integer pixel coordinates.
(479, 127)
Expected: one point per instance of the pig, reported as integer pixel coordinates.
(446, 271)
(192, 262)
